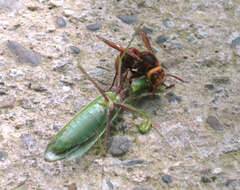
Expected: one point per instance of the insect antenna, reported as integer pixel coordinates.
(170, 75)
(94, 83)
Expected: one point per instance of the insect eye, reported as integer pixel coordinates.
(149, 58)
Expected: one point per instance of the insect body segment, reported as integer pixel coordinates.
(140, 63)
(84, 128)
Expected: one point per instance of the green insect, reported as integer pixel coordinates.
(92, 121)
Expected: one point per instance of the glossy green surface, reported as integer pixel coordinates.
(80, 132)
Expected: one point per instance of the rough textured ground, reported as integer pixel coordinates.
(195, 143)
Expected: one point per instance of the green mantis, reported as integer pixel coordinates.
(92, 121)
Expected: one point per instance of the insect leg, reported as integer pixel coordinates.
(145, 125)
(170, 75)
(144, 38)
(118, 47)
(94, 83)
(169, 86)
(120, 64)
(108, 128)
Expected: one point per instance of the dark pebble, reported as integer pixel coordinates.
(143, 188)
(30, 123)
(110, 185)
(194, 104)
(75, 49)
(2, 93)
(209, 86)
(221, 80)
(167, 179)
(128, 19)
(27, 103)
(27, 141)
(7, 102)
(22, 54)
(235, 42)
(94, 27)
(177, 45)
(205, 179)
(161, 39)
(72, 186)
(214, 123)
(234, 183)
(36, 87)
(61, 67)
(61, 22)
(172, 97)
(147, 30)
(132, 162)
(168, 23)
(3, 155)
(119, 145)
(14, 27)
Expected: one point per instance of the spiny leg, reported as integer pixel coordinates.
(108, 128)
(94, 83)
(145, 125)
(116, 72)
(144, 38)
(118, 47)
(170, 75)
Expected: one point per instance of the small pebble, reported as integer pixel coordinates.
(27, 141)
(27, 104)
(221, 80)
(177, 45)
(209, 86)
(147, 30)
(128, 19)
(3, 155)
(51, 28)
(7, 102)
(161, 39)
(167, 179)
(132, 162)
(30, 123)
(168, 23)
(14, 27)
(235, 42)
(205, 179)
(94, 27)
(119, 145)
(216, 171)
(110, 185)
(54, 3)
(22, 54)
(68, 13)
(2, 93)
(16, 73)
(61, 22)
(72, 186)
(11, 4)
(75, 49)
(143, 188)
(214, 123)
(194, 104)
(172, 97)
(37, 87)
